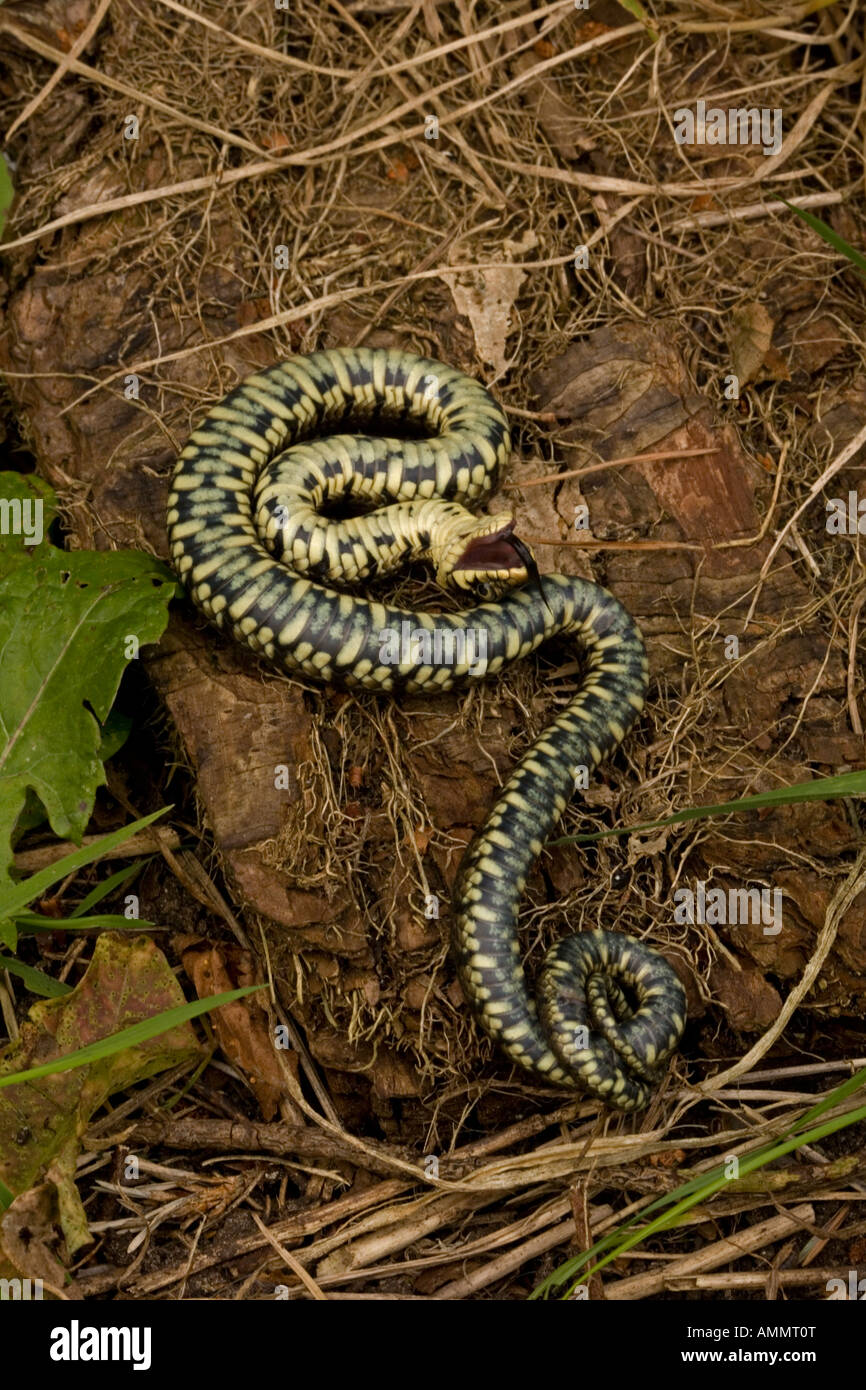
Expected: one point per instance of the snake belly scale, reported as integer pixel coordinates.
(250, 543)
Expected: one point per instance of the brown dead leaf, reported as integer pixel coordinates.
(626, 387)
(403, 163)
(487, 297)
(810, 342)
(671, 1159)
(775, 365)
(251, 310)
(28, 1238)
(41, 1121)
(566, 128)
(591, 29)
(242, 1027)
(51, 906)
(750, 1002)
(749, 340)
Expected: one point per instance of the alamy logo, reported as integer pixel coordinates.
(730, 907)
(77, 1343)
(740, 125)
(434, 646)
(22, 518)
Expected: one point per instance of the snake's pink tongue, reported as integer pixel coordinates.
(493, 552)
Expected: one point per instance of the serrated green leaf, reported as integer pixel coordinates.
(28, 505)
(114, 733)
(69, 623)
(32, 813)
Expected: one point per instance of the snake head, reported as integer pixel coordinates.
(494, 562)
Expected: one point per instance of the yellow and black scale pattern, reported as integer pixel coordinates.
(250, 545)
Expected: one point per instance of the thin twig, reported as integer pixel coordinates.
(718, 1252)
(61, 70)
(851, 448)
(841, 901)
(294, 1265)
(611, 463)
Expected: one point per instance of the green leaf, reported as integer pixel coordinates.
(69, 624)
(32, 813)
(28, 505)
(115, 731)
(832, 238)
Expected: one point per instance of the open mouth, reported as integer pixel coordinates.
(501, 550)
(498, 551)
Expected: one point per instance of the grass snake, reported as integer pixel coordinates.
(252, 546)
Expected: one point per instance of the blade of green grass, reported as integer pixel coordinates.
(705, 1185)
(35, 980)
(758, 1158)
(634, 7)
(818, 789)
(20, 895)
(129, 1037)
(832, 238)
(106, 921)
(747, 1165)
(833, 1098)
(108, 885)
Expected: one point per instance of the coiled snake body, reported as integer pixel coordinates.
(248, 541)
